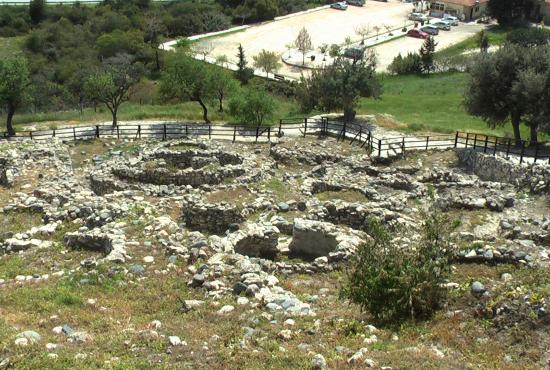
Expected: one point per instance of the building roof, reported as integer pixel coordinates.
(466, 2)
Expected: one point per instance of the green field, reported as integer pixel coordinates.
(10, 46)
(429, 103)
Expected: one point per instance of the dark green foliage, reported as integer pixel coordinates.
(243, 73)
(410, 64)
(529, 37)
(340, 86)
(508, 12)
(255, 107)
(395, 282)
(509, 84)
(37, 11)
(427, 52)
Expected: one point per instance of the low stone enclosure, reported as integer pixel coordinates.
(238, 213)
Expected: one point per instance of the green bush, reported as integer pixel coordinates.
(395, 283)
(254, 108)
(410, 64)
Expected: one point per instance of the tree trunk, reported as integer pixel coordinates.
(515, 124)
(157, 59)
(349, 114)
(204, 111)
(220, 98)
(303, 58)
(533, 132)
(114, 112)
(9, 123)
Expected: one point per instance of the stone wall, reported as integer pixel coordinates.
(6, 174)
(535, 177)
(214, 218)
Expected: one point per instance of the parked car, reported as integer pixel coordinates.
(442, 25)
(355, 2)
(430, 29)
(418, 17)
(340, 6)
(452, 20)
(418, 34)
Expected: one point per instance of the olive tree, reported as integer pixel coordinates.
(188, 79)
(340, 85)
(15, 87)
(112, 83)
(267, 61)
(303, 43)
(253, 108)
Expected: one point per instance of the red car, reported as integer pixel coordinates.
(418, 34)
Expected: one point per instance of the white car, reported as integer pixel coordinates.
(418, 17)
(340, 6)
(452, 20)
(442, 25)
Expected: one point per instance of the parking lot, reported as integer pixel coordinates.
(332, 26)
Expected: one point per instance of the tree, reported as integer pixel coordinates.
(508, 12)
(334, 50)
(37, 11)
(223, 85)
(483, 41)
(267, 61)
(363, 31)
(204, 49)
(303, 43)
(222, 60)
(154, 29)
(489, 91)
(188, 79)
(410, 64)
(254, 108)
(243, 73)
(339, 86)
(14, 87)
(112, 83)
(427, 52)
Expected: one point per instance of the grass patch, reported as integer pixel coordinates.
(431, 103)
(11, 46)
(18, 221)
(496, 34)
(238, 196)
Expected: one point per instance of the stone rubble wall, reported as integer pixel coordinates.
(211, 217)
(536, 177)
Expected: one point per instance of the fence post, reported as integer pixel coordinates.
(269, 134)
(495, 148)
(344, 131)
(139, 131)
(360, 133)
(475, 141)
(379, 147)
(257, 132)
(508, 148)
(117, 133)
(53, 133)
(164, 132)
(74, 133)
(403, 147)
(369, 141)
(467, 139)
(305, 126)
(186, 130)
(456, 139)
(536, 151)
(30, 134)
(486, 141)
(210, 131)
(97, 131)
(522, 151)
(234, 133)
(428, 142)
(280, 127)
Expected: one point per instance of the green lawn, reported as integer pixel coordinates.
(496, 35)
(133, 111)
(428, 103)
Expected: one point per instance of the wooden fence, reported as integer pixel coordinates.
(358, 134)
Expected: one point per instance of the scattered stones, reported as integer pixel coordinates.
(318, 362)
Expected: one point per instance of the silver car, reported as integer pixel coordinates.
(452, 20)
(442, 25)
(430, 29)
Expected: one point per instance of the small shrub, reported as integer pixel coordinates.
(410, 64)
(394, 283)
